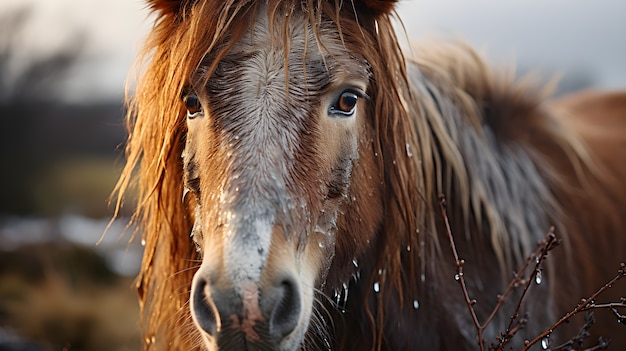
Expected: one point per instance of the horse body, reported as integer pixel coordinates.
(313, 158)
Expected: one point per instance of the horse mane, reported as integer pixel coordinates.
(437, 122)
(480, 138)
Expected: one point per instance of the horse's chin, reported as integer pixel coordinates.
(236, 340)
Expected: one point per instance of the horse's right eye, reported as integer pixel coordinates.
(193, 105)
(345, 103)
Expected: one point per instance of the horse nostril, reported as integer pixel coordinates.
(286, 313)
(202, 310)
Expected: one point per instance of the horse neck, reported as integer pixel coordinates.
(497, 192)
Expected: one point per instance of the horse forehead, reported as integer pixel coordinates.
(259, 89)
(265, 53)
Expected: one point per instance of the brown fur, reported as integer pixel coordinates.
(471, 134)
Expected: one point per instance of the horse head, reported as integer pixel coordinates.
(280, 161)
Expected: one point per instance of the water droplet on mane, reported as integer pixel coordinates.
(545, 342)
(408, 150)
(538, 277)
(458, 276)
(355, 263)
(376, 287)
(143, 242)
(408, 248)
(416, 304)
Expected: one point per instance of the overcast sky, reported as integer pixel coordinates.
(571, 36)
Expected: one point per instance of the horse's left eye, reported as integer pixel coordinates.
(345, 104)
(193, 105)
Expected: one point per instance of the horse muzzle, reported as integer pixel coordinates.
(246, 316)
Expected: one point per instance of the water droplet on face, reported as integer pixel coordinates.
(538, 277)
(545, 342)
(321, 244)
(143, 242)
(416, 304)
(376, 287)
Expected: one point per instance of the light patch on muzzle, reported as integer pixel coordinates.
(247, 240)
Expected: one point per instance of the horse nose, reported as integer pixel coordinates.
(272, 310)
(203, 310)
(285, 308)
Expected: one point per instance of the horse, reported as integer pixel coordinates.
(288, 159)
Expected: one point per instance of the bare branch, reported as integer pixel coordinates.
(516, 323)
(459, 274)
(584, 304)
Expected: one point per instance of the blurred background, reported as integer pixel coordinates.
(63, 65)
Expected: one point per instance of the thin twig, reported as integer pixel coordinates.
(577, 340)
(546, 245)
(459, 274)
(612, 306)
